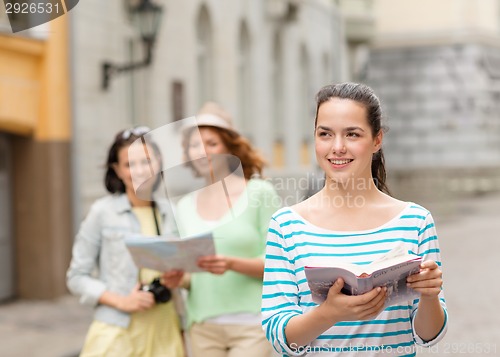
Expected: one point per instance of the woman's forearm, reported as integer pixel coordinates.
(253, 267)
(302, 329)
(111, 299)
(429, 319)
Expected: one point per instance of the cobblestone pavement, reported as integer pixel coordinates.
(470, 244)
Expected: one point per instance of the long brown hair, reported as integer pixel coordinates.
(251, 160)
(365, 96)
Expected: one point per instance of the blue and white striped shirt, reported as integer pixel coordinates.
(294, 243)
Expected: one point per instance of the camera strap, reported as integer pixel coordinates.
(165, 294)
(157, 225)
(153, 207)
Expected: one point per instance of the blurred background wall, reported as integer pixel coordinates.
(263, 60)
(436, 67)
(434, 64)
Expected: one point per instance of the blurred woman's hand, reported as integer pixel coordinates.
(137, 300)
(215, 264)
(172, 279)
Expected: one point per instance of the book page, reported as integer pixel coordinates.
(397, 255)
(397, 251)
(332, 263)
(163, 254)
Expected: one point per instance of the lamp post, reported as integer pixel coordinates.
(146, 16)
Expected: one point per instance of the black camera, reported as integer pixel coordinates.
(161, 293)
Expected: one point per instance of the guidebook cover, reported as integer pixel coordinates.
(390, 271)
(165, 253)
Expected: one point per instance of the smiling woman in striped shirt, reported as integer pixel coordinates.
(352, 219)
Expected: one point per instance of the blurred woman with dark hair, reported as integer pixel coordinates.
(128, 320)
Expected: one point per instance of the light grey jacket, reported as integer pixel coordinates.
(101, 260)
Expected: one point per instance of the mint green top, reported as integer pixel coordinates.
(243, 236)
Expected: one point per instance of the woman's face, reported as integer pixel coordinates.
(344, 141)
(204, 149)
(134, 166)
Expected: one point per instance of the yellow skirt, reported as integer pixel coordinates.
(151, 333)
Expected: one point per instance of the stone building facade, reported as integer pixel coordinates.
(263, 60)
(439, 81)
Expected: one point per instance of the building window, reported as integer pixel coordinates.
(177, 100)
(327, 69)
(245, 82)
(277, 85)
(132, 87)
(205, 69)
(307, 109)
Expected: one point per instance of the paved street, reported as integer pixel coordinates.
(43, 329)
(470, 242)
(470, 245)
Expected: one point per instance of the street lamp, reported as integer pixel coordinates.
(146, 16)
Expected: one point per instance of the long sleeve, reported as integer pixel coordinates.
(280, 295)
(428, 249)
(86, 250)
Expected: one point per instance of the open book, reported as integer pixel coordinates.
(165, 253)
(390, 271)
